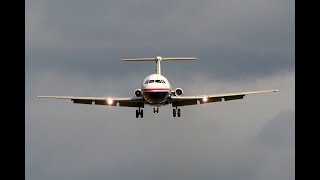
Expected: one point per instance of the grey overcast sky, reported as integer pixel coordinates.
(74, 47)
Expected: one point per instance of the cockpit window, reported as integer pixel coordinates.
(155, 81)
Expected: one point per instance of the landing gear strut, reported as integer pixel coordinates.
(139, 112)
(156, 110)
(176, 111)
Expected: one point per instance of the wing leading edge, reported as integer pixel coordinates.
(193, 100)
(109, 101)
(175, 100)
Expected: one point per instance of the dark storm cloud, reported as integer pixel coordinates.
(74, 48)
(276, 139)
(279, 132)
(228, 37)
(218, 141)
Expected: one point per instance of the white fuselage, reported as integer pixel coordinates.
(156, 89)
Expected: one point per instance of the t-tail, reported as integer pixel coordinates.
(158, 60)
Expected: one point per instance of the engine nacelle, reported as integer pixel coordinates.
(178, 92)
(138, 93)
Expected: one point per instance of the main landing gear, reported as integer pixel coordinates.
(156, 110)
(139, 112)
(176, 112)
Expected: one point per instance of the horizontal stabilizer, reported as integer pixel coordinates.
(140, 59)
(178, 58)
(158, 60)
(162, 59)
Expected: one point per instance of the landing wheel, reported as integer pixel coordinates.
(139, 112)
(176, 112)
(156, 110)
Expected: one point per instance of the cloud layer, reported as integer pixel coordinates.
(74, 48)
(228, 37)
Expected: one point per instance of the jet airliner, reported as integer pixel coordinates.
(156, 91)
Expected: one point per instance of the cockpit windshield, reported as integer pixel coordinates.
(155, 81)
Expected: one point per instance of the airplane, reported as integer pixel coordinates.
(156, 91)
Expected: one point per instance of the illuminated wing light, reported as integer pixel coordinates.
(205, 99)
(110, 101)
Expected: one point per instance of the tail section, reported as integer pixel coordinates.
(158, 59)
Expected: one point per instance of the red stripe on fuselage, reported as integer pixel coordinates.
(156, 89)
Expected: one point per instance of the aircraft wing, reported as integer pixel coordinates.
(193, 100)
(109, 101)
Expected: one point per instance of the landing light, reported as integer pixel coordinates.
(205, 99)
(110, 101)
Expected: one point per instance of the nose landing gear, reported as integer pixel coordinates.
(156, 110)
